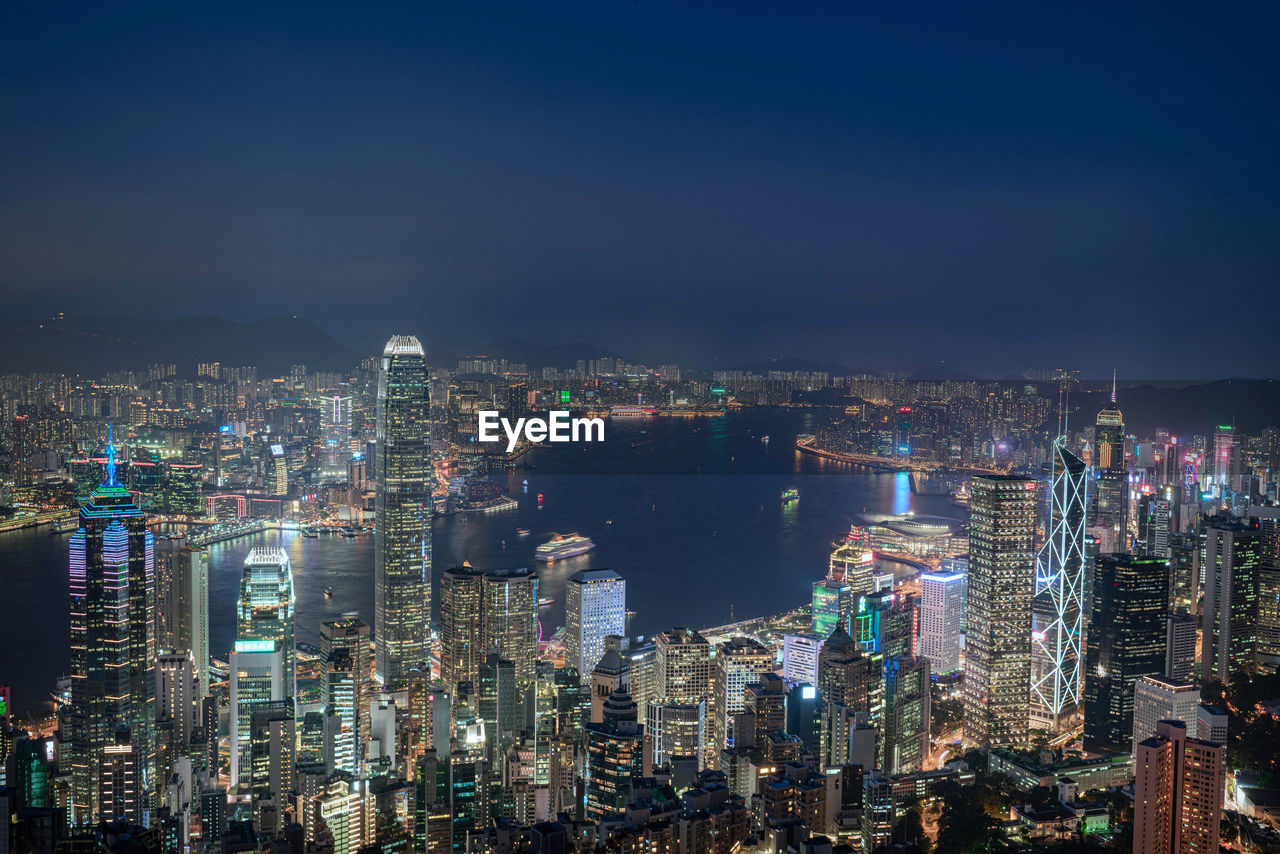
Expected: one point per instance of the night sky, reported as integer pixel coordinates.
(896, 184)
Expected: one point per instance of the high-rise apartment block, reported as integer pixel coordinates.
(1177, 804)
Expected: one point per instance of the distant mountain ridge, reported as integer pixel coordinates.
(797, 364)
(544, 355)
(93, 346)
(1251, 405)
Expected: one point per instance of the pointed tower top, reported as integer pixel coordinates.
(111, 456)
(1113, 386)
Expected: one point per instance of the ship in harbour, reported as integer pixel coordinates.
(559, 548)
(66, 525)
(790, 494)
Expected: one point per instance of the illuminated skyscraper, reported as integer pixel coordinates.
(265, 607)
(997, 670)
(500, 707)
(402, 550)
(1180, 645)
(1155, 521)
(175, 693)
(942, 603)
(461, 625)
(851, 687)
(511, 620)
(335, 421)
(1057, 621)
(739, 662)
(113, 642)
(836, 596)
(832, 605)
(595, 603)
(278, 472)
(676, 730)
(1268, 520)
(1126, 642)
(683, 667)
(1225, 458)
(1159, 698)
(614, 758)
(183, 606)
(1111, 509)
(183, 489)
(1232, 553)
(800, 657)
(22, 444)
(348, 689)
(271, 757)
(482, 612)
(852, 563)
(121, 796)
(886, 624)
(257, 678)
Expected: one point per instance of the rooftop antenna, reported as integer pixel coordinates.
(1113, 386)
(1066, 409)
(111, 456)
(1064, 378)
(1061, 389)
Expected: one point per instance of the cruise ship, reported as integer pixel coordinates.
(559, 548)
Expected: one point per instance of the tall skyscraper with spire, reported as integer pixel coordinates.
(402, 550)
(113, 641)
(1111, 509)
(1057, 609)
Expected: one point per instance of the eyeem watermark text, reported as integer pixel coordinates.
(558, 426)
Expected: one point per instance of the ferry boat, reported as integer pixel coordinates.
(543, 603)
(790, 494)
(328, 591)
(523, 532)
(559, 548)
(492, 505)
(310, 534)
(622, 411)
(67, 525)
(349, 534)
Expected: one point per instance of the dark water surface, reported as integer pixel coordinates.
(687, 511)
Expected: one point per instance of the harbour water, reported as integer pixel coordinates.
(688, 511)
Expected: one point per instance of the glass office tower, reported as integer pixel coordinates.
(402, 559)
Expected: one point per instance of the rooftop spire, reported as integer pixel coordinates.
(111, 456)
(1113, 386)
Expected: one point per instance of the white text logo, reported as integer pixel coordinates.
(557, 427)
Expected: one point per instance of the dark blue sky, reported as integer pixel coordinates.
(884, 185)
